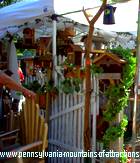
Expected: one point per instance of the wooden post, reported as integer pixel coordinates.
(88, 46)
(137, 85)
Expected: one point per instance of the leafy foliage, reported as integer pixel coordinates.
(118, 96)
(114, 132)
(69, 85)
(8, 2)
(96, 69)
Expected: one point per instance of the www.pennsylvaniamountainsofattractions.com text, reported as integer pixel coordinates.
(102, 154)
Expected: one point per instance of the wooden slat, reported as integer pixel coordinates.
(44, 140)
(109, 76)
(11, 120)
(29, 119)
(33, 120)
(22, 127)
(41, 125)
(74, 128)
(26, 122)
(79, 128)
(36, 122)
(65, 111)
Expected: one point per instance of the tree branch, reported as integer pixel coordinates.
(95, 18)
(86, 15)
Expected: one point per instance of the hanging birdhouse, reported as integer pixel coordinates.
(28, 36)
(44, 44)
(74, 54)
(66, 33)
(69, 31)
(109, 15)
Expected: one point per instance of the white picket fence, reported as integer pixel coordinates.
(66, 122)
(66, 125)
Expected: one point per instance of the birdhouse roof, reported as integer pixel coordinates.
(112, 56)
(26, 30)
(94, 38)
(76, 48)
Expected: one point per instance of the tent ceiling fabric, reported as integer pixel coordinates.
(13, 19)
(22, 12)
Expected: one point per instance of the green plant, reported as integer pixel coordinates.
(69, 85)
(114, 132)
(118, 96)
(123, 158)
(117, 100)
(66, 86)
(95, 69)
(34, 86)
(8, 2)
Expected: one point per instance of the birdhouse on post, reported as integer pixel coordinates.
(110, 63)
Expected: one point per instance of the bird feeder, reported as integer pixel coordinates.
(109, 15)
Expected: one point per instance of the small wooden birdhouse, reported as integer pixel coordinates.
(28, 36)
(44, 44)
(68, 32)
(74, 54)
(110, 63)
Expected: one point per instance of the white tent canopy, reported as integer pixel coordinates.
(15, 15)
(126, 14)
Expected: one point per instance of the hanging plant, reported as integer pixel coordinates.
(70, 85)
(66, 86)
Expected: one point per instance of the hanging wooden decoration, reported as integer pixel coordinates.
(28, 36)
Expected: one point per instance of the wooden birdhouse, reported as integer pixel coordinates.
(74, 54)
(28, 36)
(110, 63)
(66, 33)
(44, 44)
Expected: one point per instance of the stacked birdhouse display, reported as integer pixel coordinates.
(74, 54)
(28, 36)
(44, 44)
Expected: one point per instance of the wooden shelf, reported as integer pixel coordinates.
(25, 46)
